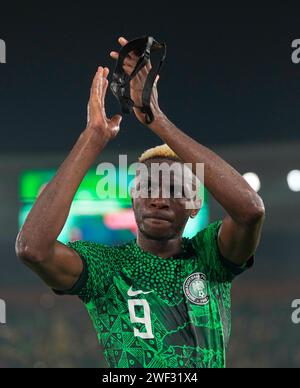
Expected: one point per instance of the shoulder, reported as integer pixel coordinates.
(206, 244)
(88, 247)
(207, 237)
(95, 250)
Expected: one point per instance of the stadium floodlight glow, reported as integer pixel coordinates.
(253, 180)
(293, 180)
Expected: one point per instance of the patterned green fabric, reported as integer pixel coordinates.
(151, 312)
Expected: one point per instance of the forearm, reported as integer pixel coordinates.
(50, 212)
(225, 184)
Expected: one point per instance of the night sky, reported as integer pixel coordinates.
(228, 77)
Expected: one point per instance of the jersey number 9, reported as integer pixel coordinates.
(146, 320)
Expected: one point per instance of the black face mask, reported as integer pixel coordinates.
(120, 86)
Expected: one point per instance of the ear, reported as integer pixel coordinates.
(194, 213)
(196, 210)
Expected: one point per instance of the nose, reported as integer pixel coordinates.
(160, 203)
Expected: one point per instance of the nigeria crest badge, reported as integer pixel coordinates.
(195, 289)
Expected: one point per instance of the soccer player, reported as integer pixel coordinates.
(160, 301)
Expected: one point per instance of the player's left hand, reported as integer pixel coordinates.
(138, 83)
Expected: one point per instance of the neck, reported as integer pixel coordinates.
(163, 249)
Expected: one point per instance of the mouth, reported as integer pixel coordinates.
(157, 218)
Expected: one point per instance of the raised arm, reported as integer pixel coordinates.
(240, 232)
(36, 245)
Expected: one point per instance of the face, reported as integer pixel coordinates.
(161, 217)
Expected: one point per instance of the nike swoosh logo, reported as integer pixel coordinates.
(136, 293)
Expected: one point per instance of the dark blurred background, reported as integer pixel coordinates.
(228, 81)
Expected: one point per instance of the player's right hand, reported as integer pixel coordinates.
(97, 119)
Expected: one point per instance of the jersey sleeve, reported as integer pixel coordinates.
(206, 245)
(95, 274)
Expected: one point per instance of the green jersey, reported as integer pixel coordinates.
(151, 312)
